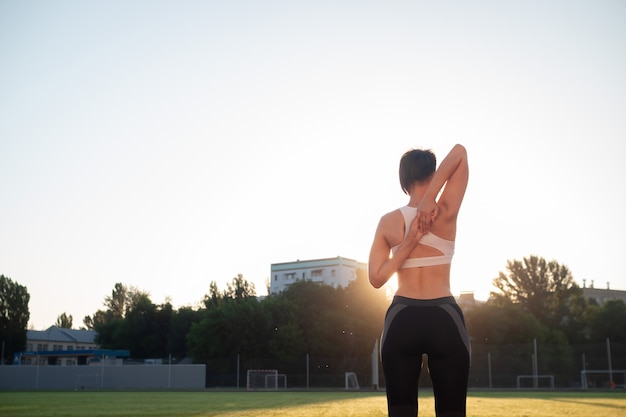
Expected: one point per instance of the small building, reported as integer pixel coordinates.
(602, 295)
(60, 346)
(337, 272)
(467, 301)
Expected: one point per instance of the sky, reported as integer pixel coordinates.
(168, 144)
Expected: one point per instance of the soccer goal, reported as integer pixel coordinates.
(599, 378)
(352, 382)
(549, 378)
(265, 379)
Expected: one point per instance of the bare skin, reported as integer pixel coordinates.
(437, 216)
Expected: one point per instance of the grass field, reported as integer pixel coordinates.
(300, 404)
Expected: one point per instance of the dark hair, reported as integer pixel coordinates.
(416, 165)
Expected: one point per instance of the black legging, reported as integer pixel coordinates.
(435, 328)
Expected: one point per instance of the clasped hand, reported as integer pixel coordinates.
(427, 212)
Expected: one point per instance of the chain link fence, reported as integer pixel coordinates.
(523, 366)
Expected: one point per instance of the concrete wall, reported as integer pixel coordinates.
(103, 377)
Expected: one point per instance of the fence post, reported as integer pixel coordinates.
(535, 366)
(608, 353)
(238, 371)
(375, 366)
(489, 368)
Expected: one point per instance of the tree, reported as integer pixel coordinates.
(213, 298)
(234, 327)
(140, 330)
(545, 289)
(64, 321)
(181, 323)
(239, 289)
(123, 324)
(286, 341)
(88, 322)
(503, 323)
(363, 311)
(117, 302)
(609, 321)
(233, 322)
(319, 315)
(14, 316)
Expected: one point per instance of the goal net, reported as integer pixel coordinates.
(265, 379)
(535, 381)
(602, 378)
(352, 382)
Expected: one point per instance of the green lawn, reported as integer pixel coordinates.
(294, 403)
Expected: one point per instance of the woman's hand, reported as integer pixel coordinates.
(380, 266)
(415, 231)
(427, 212)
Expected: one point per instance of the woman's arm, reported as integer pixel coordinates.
(453, 173)
(380, 266)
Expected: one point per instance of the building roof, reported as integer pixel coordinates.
(602, 295)
(312, 263)
(116, 353)
(59, 334)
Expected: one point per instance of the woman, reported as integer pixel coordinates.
(417, 243)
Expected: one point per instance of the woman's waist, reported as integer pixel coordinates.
(424, 282)
(430, 272)
(423, 302)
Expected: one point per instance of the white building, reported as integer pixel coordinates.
(338, 272)
(58, 346)
(603, 295)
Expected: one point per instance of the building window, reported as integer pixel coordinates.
(290, 275)
(275, 277)
(333, 272)
(70, 347)
(317, 272)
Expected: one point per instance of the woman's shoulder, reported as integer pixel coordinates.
(392, 217)
(397, 213)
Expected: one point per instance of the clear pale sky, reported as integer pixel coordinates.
(168, 144)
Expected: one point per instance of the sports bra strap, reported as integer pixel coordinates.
(446, 247)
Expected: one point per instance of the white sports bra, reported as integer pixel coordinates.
(446, 247)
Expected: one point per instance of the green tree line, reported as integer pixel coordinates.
(538, 302)
(534, 299)
(307, 318)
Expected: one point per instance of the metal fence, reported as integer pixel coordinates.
(524, 366)
(79, 377)
(530, 365)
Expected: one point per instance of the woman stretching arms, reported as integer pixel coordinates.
(417, 242)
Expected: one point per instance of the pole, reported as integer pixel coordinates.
(307, 371)
(608, 354)
(583, 380)
(535, 366)
(169, 372)
(238, 371)
(375, 366)
(489, 368)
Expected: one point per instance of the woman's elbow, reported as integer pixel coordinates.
(376, 282)
(460, 149)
